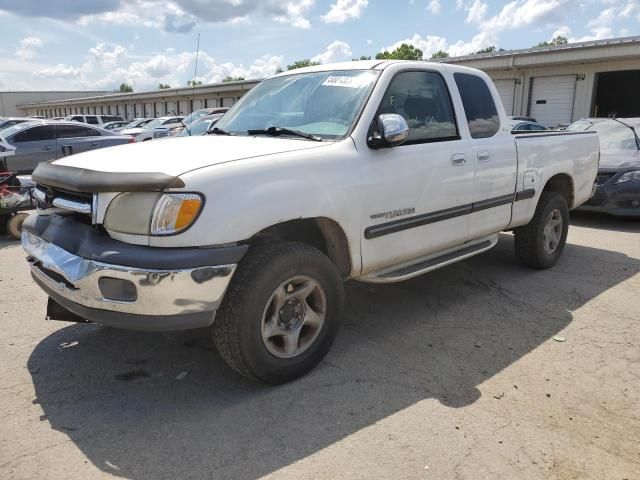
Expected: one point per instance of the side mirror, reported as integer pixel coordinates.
(392, 131)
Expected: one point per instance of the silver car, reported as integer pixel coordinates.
(41, 141)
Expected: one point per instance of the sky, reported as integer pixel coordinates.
(98, 44)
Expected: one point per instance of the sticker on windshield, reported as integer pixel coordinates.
(345, 81)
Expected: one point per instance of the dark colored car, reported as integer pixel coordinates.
(41, 141)
(618, 181)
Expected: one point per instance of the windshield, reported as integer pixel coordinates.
(199, 127)
(195, 116)
(154, 123)
(9, 131)
(615, 136)
(325, 104)
(580, 125)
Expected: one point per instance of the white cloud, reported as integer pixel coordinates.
(28, 48)
(59, 71)
(434, 7)
(522, 13)
(107, 55)
(477, 12)
(335, 52)
(344, 10)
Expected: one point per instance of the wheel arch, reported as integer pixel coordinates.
(323, 233)
(562, 183)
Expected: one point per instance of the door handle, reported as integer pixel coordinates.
(94, 144)
(483, 156)
(46, 149)
(458, 160)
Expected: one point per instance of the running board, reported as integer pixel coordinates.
(409, 271)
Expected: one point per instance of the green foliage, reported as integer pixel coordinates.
(162, 86)
(125, 87)
(301, 64)
(490, 49)
(362, 57)
(403, 52)
(440, 54)
(279, 70)
(194, 83)
(559, 40)
(229, 78)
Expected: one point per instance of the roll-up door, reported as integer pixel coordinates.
(506, 90)
(552, 99)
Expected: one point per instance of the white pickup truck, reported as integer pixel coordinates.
(373, 171)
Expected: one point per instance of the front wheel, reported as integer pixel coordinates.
(14, 225)
(281, 313)
(539, 244)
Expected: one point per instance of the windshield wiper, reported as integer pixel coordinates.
(218, 131)
(277, 131)
(632, 129)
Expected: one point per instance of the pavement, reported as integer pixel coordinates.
(483, 369)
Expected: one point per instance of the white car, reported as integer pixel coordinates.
(158, 128)
(373, 171)
(92, 119)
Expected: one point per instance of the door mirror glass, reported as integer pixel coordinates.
(393, 130)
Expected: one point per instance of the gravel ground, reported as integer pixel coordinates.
(483, 369)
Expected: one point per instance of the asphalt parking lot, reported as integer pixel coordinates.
(482, 369)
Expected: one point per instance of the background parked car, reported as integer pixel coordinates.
(114, 125)
(525, 126)
(8, 122)
(200, 126)
(198, 114)
(41, 141)
(618, 181)
(135, 123)
(157, 128)
(93, 119)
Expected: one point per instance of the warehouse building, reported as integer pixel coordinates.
(12, 103)
(556, 85)
(169, 101)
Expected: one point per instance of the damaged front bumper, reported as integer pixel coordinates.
(134, 297)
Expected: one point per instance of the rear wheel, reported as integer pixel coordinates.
(539, 244)
(14, 225)
(281, 313)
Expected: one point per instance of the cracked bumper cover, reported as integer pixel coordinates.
(158, 296)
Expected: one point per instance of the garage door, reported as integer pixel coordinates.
(506, 90)
(552, 99)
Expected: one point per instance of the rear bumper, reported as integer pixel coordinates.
(133, 297)
(615, 199)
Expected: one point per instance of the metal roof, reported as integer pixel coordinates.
(555, 48)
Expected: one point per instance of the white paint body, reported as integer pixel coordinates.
(251, 183)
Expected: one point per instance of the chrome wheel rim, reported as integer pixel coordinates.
(552, 231)
(293, 317)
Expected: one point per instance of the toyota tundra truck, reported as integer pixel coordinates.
(376, 171)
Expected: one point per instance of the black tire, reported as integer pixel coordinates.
(529, 240)
(237, 330)
(14, 225)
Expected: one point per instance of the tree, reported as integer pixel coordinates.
(490, 49)
(440, 54)
(162, 86)
(362, 57)
(229, 78)
(279, 70)
(559, 40)
(403, 52)
(301, 64)
(194, 83)
(125, 87)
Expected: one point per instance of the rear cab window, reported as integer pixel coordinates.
(93, 120)
(479, 107)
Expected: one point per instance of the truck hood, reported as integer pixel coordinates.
(619, 159)
(180, 155)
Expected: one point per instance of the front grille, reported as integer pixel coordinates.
(603, 178)
(49, 197)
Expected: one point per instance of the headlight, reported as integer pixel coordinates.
(152, 213)
(633, 176)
